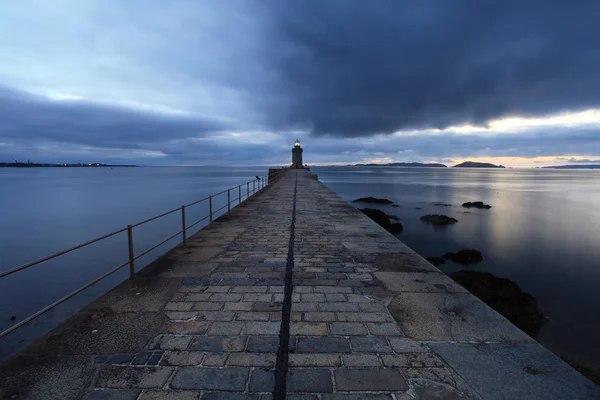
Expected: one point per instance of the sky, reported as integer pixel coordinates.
(236, 82)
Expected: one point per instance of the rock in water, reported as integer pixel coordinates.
(396, 227)
(373, 200)
(504, 296)
(437, 219)
(378, 216)
(464, 257)
(476, 204)
(436, 260)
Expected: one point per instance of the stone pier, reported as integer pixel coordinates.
(296, 295)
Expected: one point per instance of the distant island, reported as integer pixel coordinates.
(582, 166)
(403, 164)
(472, 164)
(38, 165)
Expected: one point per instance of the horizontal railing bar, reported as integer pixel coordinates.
(197, 222)
(154, 247)
(197, 201)
(60, 253)
(157, 217)
(67, 297)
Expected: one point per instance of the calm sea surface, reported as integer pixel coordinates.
(542, 232)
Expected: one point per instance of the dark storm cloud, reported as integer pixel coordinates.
(26, 116)
(352, 68)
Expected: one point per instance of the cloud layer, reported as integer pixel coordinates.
(183, 83)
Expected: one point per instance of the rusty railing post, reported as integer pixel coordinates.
(228, 201)
(239, 194)
(131, 255)
(183, 225)
(210, 209)
(247, 190)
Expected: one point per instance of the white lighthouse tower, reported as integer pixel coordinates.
(297, 155)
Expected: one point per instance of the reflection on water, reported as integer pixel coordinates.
(542, 232)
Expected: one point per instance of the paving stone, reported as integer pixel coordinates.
(303, 289)
(347, 328)
(363, 317)
(308, 328)
(216, 316)
(369, 379)
(303, 307)
(335, 297)
(180, 315)
(333, 289)
(263, 344)
(228, 378)
(361, 360)
(178, 306)
(412, 360)
(261, 328)
(218, 289)
(314, 360)
(252, 316)
(321, 316)
(370, 344)
(312, 297)
(261, 380)
(252, 360)
(240, 306)
(182, 358)
(406, 345)
(249, 289)
(225, 328)
(338, 307)
(384, 329)
(309, 380)
(267, 307)
(261, 297)
(206, 306)
(215, 359)
(132, 377)
(171, 342)
(226, 297)
(326, 344)
(187, 328)
(218, 343)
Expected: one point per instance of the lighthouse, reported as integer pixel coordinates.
(297, 155)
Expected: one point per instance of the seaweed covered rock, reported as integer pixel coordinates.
(396, 227)
(476, 204)
(437, 219)
(373, 200)
(504, 296)
(436, 260)
(464, 257)
(378, 216)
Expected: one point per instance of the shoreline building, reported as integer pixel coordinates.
(297, 155)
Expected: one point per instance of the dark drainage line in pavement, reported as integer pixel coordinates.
(281, 364)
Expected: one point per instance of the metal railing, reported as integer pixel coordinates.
(257, 185)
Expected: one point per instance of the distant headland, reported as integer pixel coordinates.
(29, 164)
(403, 164)
(581, 166)
(473, 164)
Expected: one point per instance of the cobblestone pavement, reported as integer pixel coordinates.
(358, 316)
